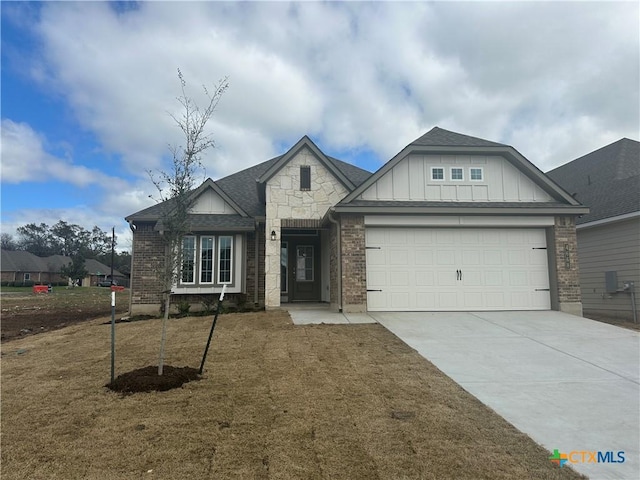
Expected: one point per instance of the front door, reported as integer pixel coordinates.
(303, 268)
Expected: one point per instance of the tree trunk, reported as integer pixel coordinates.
(163, 340)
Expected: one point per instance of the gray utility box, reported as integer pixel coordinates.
(611, 281)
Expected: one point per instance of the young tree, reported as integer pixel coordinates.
(75, 269)
(176, 185)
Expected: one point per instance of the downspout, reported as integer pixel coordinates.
(339, 255)
(256, 264)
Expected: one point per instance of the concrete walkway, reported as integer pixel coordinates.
(570, 383)
(316, 313)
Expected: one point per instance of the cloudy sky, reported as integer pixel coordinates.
(88, 88)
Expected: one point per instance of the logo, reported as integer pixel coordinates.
(582, 456)
(558, 458)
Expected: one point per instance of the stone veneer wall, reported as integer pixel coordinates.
(284, 199)
(146, 289)
(354, 284)
(567, 271)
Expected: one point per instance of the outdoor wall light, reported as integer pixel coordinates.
(273, 235)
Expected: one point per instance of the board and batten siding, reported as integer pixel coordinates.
(210, 202)
(609, 247)
(411, 179)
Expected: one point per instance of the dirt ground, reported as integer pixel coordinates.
(276, 401)
(25, 313)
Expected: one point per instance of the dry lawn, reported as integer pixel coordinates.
(276, 401)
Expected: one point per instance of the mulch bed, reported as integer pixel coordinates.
(146, 379)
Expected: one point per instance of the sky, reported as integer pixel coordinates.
(88, 88)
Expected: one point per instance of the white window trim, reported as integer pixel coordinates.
(476, 179)
(26, 277)
(195, 259)
(451, 174)
(231, 269)
(444, 175)
(213, 259)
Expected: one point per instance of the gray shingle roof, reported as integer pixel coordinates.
(218, 221)
(439, 137)
(21, 261)
(243, 189)
(606, 180)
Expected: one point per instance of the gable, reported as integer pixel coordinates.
(286, 199)
(411, 179)
(209, 202)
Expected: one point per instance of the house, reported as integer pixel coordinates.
(608, 182)
(452, 222)
(20, 267)
(25, 268)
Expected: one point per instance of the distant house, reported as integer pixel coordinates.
(452, 222)
(608, 182)
(20, 267)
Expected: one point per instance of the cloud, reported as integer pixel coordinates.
(24, 158)
(555, 80)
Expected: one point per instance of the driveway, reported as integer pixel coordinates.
(570, 383)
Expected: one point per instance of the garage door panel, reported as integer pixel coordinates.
(417, 269)
(398, 257)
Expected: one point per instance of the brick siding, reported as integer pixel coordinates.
(566, 252)
(354, 285)
(148, 259)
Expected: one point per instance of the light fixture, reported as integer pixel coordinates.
(273, 235)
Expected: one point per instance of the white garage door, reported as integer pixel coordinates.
(448, 269)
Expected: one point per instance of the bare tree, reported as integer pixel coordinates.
(176, 185)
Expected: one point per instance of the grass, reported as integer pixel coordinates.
(276, 401)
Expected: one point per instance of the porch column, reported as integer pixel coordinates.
(272, 263)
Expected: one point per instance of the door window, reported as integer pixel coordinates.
(304, 263)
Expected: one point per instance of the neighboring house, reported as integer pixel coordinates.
(608, 182)
(19, 267)
(452, 222)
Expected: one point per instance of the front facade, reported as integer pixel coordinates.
(450, 223)
(608, 182)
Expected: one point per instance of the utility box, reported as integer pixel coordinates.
(611, 281)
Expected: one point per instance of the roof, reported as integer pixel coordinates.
(606, 180)
(439, 137)
(218, 221)
(441, 141)
(242, 189)
(22, 261)
(457, 208)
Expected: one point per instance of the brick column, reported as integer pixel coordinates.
(354, 284)
(566, 259)
(147, 261)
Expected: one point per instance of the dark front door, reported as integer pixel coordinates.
(303, 268)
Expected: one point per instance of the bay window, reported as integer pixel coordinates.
(207, 260)
(188, 259)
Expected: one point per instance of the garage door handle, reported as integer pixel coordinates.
(458, 274)
(370, 290)
(542, 290)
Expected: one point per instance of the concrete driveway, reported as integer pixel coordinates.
(570, 383)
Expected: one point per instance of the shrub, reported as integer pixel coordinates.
(183, 308)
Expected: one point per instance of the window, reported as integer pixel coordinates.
(457, 173)
(224, 259)
(305, 178)
(206, 259)
(475, 174)
(304, 263)
(437, 173)
(188, 259)
(27, 277)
